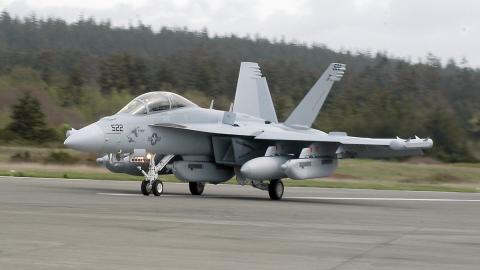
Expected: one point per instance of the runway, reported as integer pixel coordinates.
(89, 224)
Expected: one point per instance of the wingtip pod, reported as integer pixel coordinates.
(416, 143)
(337, 71)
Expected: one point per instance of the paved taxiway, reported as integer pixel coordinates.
(86, 224)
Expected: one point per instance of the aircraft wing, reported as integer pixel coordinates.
(349, 147)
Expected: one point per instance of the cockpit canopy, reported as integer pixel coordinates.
(154, 102)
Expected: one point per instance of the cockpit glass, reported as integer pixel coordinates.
(134, 107)
(180, 102)
(153, 102)
(157, 103)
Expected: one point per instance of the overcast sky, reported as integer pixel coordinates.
(404, 28)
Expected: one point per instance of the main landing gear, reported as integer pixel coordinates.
(196, 188)
(151, 184)
(275, 188)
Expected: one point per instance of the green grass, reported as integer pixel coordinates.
(66, 174)
(404, 171)
(39, 154)
(71, 172)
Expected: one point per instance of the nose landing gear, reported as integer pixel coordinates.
(155, 187)
(146, 188)
(151, 184)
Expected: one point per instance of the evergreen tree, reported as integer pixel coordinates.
(28, 120)
(124, 72)
(448, 136)
(72, 93)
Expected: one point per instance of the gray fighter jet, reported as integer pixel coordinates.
(162, 133)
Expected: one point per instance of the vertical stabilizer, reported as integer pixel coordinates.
(252, 95)
(306, 112)
(267, 110)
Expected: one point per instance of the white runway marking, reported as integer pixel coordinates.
(131, 195)
(329, 198)
(118, 194)
(386, 199)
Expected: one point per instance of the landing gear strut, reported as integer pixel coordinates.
(196, 188)
(151, 184)
(275, 189)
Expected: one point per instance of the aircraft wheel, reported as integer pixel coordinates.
(196, 188)
(275, 189)
(157, 187)
(145, 188)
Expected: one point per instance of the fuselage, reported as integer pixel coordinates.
(151, 132)
(164, 141)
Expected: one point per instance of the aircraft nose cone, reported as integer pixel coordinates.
(88, 139)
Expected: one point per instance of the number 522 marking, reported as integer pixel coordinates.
(117, 127)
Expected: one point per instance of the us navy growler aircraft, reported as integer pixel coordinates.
(162, 133)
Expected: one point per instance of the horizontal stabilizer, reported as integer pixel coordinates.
(306, 112)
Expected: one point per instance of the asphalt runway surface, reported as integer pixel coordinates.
(87, 224)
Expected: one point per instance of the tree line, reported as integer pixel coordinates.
(87, 69)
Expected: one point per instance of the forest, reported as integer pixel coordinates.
(77, 72)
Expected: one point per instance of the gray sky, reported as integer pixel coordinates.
(404, 28)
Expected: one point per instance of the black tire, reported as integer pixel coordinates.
(157, 188)
(196, 188)
(144, 188)
(275, 189)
